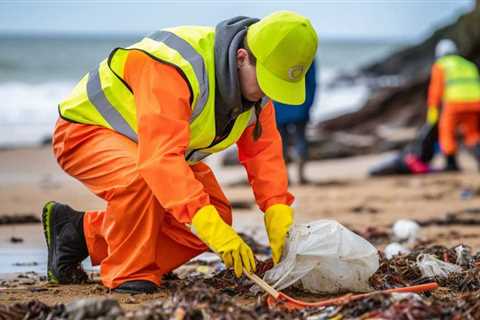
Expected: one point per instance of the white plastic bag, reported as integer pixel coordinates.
(327, 258)
(430, 266)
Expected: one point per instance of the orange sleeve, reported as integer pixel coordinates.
(435, 90)
(263, 160)
(163, 111)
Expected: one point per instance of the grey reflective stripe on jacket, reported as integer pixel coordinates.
(104, 107)
(198, 155)
(113, 117)
(191, 55)
(463, 81)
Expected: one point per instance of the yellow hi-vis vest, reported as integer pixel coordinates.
(103, 98)
(462, 82)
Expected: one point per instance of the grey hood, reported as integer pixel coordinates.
(229, 35)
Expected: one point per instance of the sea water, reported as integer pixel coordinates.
(37, 72)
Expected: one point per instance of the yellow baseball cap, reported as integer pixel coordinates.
(284, 44)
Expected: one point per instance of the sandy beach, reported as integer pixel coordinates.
(342, 191)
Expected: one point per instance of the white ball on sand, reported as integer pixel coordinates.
(406, 229)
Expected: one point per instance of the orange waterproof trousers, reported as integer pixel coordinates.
(467, 122)
(144, 242)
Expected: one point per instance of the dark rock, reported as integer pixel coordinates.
(16, 240)
(46, 141)
(25, 264)
(239, 204)
(23, 218)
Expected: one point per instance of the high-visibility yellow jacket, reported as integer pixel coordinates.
(454, 82)
(104, 97)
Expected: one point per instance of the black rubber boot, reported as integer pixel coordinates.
(137, 287)
(63, 228)
(451, 165)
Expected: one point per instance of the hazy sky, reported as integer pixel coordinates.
(387, 19)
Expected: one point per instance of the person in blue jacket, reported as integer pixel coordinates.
(292, 122)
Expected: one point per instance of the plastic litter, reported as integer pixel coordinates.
(467, 194)
(431, 267)
(406, 229)
(325, 257)
(399, 296)
(464, 256)
(394, 249)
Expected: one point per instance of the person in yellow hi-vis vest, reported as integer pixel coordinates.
(135, 130)
(455, 89)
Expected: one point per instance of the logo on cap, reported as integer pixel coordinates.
(295, 72)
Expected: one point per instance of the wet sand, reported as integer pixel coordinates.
(31, 177)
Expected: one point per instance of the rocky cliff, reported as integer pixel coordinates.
(397, 105)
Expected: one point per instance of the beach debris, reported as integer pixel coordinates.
(129, 300)
(18, 218)
(22, 279)
(222, 296)
(239, 204)
(394, 249)
(46, 140)
(256, 246)
(333, 183)
(403, 270)
(99, 290)
(467, 194)
(431, 267)
(25, 264)
(94, 308)
(201, 301)
(37, 289)
(323, 256)
(464, 256)
(406, 230)
(355, 309)
(465, 281)
(16, 239)
(33, 309)
(364, 209)
(226, 282)
(462, 217)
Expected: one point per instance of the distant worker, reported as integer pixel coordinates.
(292, 123)
(454, 101)
(136, 129)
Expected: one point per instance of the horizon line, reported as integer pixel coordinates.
(116, 35)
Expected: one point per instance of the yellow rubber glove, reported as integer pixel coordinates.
(432, 115)
(278, 219)
(223, 240)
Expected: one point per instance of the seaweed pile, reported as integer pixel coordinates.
(221, 296)
(403, 270)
